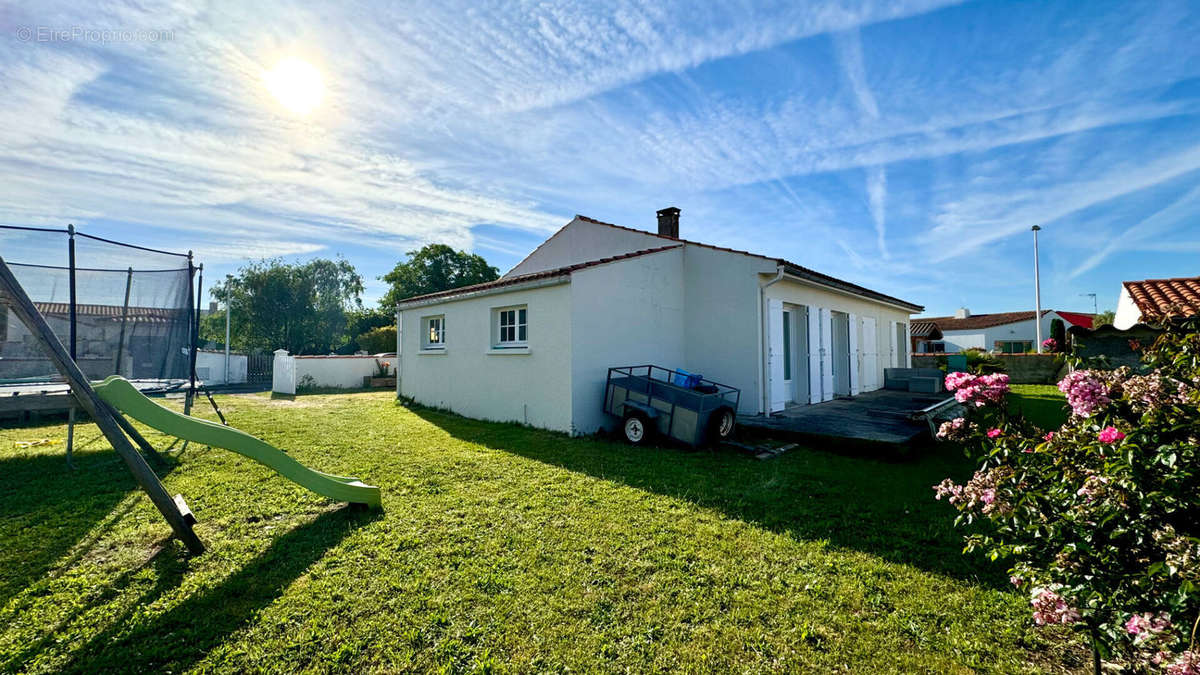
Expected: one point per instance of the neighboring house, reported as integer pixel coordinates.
(150, 337)
(1005, 332)
(535, 345)
(1152, 300)
(923, 332)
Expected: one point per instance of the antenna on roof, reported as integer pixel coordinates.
(1095, 305)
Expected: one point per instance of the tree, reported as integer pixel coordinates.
(1104, 318)
(298, 307)
(378, 340)
(433, 268)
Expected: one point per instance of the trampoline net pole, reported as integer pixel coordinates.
(74, 314)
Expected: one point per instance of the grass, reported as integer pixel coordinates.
(1042, 404)
(499, 549)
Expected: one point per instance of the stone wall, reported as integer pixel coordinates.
(1021, 368)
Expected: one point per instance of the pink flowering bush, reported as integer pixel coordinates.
(1087, 391)
(978, 390)
(1049, 345)
(1099, 519)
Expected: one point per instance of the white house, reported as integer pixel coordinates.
(1153, 299)
(1006, 332)
(535, 346)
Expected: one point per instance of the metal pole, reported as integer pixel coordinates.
(187, 400)
(124, 318)
(1037, 289)
(72, 314)
(228, 304)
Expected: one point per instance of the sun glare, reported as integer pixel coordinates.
(296, 85)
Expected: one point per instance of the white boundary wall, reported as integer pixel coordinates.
(210, 367)
(337, 372)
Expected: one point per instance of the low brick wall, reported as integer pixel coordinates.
(1021, 368)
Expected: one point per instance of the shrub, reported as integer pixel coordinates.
(1058, 333)
(981, 362)
(378, 340)
(1100, 519)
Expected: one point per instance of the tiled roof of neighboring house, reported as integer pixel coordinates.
(533, 276)
(925, 329)
(1162, 297)
(114, 312)
(792, 268)
(978, 321)
(1077, 319)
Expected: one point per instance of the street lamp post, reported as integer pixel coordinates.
(228, 281)
(1037, 289)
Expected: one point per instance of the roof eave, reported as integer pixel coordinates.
(530, 284)
(801, 274)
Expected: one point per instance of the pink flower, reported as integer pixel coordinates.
(1188, 663)
(1146, 625)
(993, 433)
(1048, 437)
(1015, 580)
(1086, 390)
(1049, 608)
(1110, 435)
(1093, 486)
(987, 496)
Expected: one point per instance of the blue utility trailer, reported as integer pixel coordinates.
(675, 404)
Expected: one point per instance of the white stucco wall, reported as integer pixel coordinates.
(1128, 313)
(210, 367)
(722, 319)
(630, 312)
(292, 373)
(582, 241)
(342, 372)
(470, 378)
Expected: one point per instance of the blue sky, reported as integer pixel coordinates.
(905, 146)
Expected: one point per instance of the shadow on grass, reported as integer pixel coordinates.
(48, 509)
(879, 506)
(1047, 411)
(179, 638)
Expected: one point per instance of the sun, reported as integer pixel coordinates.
(296, 84)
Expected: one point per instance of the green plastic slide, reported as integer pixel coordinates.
(120, 394)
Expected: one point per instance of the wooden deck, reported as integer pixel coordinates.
(879, 417)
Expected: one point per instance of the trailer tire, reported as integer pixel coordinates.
(721, 425)
(636, 428)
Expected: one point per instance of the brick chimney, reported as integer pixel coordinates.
(668, 222)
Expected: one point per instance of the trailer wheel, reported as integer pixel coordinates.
(721, 424)
(636, 428)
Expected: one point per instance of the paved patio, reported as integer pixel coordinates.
(878, 417)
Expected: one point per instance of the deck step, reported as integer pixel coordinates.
(762, 449)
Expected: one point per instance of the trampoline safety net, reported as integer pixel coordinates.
(133, 307)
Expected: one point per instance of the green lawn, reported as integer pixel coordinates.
(499, 549)
(1043, 404)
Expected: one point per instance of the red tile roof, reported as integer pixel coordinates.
(1077, 319)
(977, 321)
(1158, 298)
(533, 276)
(114, 312)
(792, 268)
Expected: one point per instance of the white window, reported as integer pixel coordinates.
(433, 332)
(511, 326)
